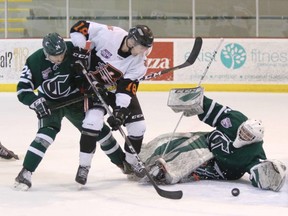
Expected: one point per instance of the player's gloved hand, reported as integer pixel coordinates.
(40, 107)
(101, 89)
(120, 114)
(81, 57)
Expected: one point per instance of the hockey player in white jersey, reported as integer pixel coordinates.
(116, 60)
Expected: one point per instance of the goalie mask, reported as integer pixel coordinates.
(54, 47)
(249, 132)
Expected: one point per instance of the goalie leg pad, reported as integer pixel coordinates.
(268, 175)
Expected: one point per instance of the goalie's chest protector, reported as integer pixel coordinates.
(107, 45)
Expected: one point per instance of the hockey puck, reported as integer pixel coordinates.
(235, 191)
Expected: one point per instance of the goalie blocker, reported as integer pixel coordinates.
(187, 100)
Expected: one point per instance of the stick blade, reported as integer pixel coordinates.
(161, 192)
(195, 51)
(170, 194)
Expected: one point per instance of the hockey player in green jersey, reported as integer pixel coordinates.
(233, 148)
(50, 71)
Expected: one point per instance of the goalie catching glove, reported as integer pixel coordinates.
(120, 114)
(268, 175)
(40, 107)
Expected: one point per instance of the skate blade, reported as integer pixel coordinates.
(20, 186)
(80, 186)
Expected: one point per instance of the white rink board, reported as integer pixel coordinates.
(264, 61)
(241, 61)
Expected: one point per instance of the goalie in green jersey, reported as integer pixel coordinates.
(233, 148)
(52, 72)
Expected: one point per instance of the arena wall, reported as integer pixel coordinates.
(241, 64)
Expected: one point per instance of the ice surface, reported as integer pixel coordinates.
(108, 192)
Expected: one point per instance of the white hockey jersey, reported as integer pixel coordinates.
(107, 40)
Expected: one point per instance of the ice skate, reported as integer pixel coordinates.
(23, 180)
(82, 173)
(126, 168)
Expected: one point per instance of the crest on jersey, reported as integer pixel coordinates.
(46, 72)
(106, 54)
(226, 123)
(106, 74)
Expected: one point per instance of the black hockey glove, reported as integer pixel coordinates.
(118, 118)
(40, 107)
(102, 90)
(81, 55)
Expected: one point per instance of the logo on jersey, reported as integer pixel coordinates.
(226, 123)
(219, 140)
(106, 73)
(54, 89)
(160, 58)
(45, 73)
(105, 53)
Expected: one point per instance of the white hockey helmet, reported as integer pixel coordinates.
(249, 132)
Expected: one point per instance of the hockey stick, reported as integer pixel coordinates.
(210, 62)
(191, 59)
(10, 153)
(161, 192)
(69, 102)
(199, 84)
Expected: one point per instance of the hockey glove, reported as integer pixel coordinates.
(118, 118)
(81, 55)
(268, 175)
(40, 107)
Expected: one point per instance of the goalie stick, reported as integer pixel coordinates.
(161, 192)
(191, 59)
(199, 84)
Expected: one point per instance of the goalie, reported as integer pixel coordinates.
(233, 148)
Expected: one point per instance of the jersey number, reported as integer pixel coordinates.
(132, 87)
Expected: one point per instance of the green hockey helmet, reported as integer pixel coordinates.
(53, 44)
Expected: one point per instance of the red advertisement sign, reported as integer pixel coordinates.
(161, 58)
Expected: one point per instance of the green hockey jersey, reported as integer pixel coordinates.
(54, 82)
(233, 162)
